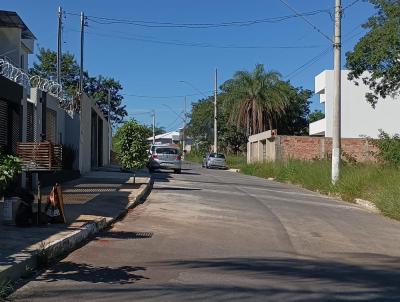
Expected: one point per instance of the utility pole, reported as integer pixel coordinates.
(154, 127)
(336, 134)
(59, 45)
(215, 113)
(82, 36)
(184, 126)
(109, 126)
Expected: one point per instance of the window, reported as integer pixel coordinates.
(167, 151)
(217, 155)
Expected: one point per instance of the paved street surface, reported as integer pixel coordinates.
(209, 235)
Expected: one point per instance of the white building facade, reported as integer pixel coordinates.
(358, 117)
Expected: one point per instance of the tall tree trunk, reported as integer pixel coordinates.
(270, 123)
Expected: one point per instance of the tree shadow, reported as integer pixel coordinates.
(376, 279)
(81, 272)
(123, 235)
(176, 189)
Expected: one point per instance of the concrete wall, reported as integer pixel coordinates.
(282, 147)
(51, 103)
(87, 105)
(85, 134)
(358, 117)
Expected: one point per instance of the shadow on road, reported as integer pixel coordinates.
(177, 189)
(331, 280)
(123, 235)
(87, 273)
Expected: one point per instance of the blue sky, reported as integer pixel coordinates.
(147, 61)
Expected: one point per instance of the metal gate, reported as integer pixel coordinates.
(51, 125)
(30, 123)
(3, 124)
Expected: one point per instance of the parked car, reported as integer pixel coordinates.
(165, 157)
(214, 160)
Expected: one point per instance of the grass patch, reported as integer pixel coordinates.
(235, 161)
(6, 288)
(375, 182)
(232, 161)
(195, 157)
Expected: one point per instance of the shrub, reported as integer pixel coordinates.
(389, 148)
(131, 145)
(10, 166)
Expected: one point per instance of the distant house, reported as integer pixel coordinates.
(358, 118)
(173, 137)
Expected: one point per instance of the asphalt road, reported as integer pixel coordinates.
(209, 235)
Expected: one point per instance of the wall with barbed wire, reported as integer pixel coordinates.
(19, 76)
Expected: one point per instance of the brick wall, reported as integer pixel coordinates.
(308, 148)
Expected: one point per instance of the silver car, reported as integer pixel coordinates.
(214, 160)
(164, 157)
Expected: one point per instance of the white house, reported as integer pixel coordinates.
(173, 137)
(358, 118)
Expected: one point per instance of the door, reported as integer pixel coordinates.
(94, 140)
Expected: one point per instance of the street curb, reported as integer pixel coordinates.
(368, 205)
(71, 241)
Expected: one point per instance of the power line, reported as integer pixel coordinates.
(157, 24)
(349, 5)
(319, 56)
(308, 21)
(201, 44)
(161, 97)
(173, 125)
(307, 64)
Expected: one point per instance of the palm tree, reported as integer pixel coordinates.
(258, 98)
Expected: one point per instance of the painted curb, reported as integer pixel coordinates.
(368, 205)
(69, 242)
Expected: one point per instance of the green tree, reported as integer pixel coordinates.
(201, 124)
(231, 139)
(316, 116)
(46, 67)
(157, 130)
(95, 87)
(378, 52)
(258, 99)
(131, 145)
(294, 120)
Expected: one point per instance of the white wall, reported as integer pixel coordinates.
(358, 117)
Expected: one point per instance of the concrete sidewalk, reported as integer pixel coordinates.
(92, 202)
